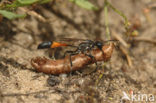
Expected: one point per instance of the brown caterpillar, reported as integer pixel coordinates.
(80, 60)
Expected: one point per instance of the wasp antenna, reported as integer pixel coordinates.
(44, 45)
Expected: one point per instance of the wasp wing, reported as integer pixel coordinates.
(71, 41)
(60, 42)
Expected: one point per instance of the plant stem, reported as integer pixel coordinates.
(106, 20)
(126, 23)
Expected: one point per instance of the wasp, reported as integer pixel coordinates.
(84, 46)
(80, 60)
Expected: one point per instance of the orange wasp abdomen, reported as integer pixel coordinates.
(51, 44)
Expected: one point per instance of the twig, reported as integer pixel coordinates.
(143, 39)
(33, 13)
(125, 52)
(121, 40)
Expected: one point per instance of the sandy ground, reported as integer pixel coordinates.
(21, 83)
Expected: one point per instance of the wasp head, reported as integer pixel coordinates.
(99, 44)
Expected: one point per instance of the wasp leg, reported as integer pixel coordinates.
(93, 58)
(70, 54)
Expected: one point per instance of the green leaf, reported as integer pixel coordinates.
(11, 15)
(27, 2)
(44, 1)
(15, 4)
(84, 4)
(20, 3)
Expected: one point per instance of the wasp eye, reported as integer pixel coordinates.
(99, 44)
